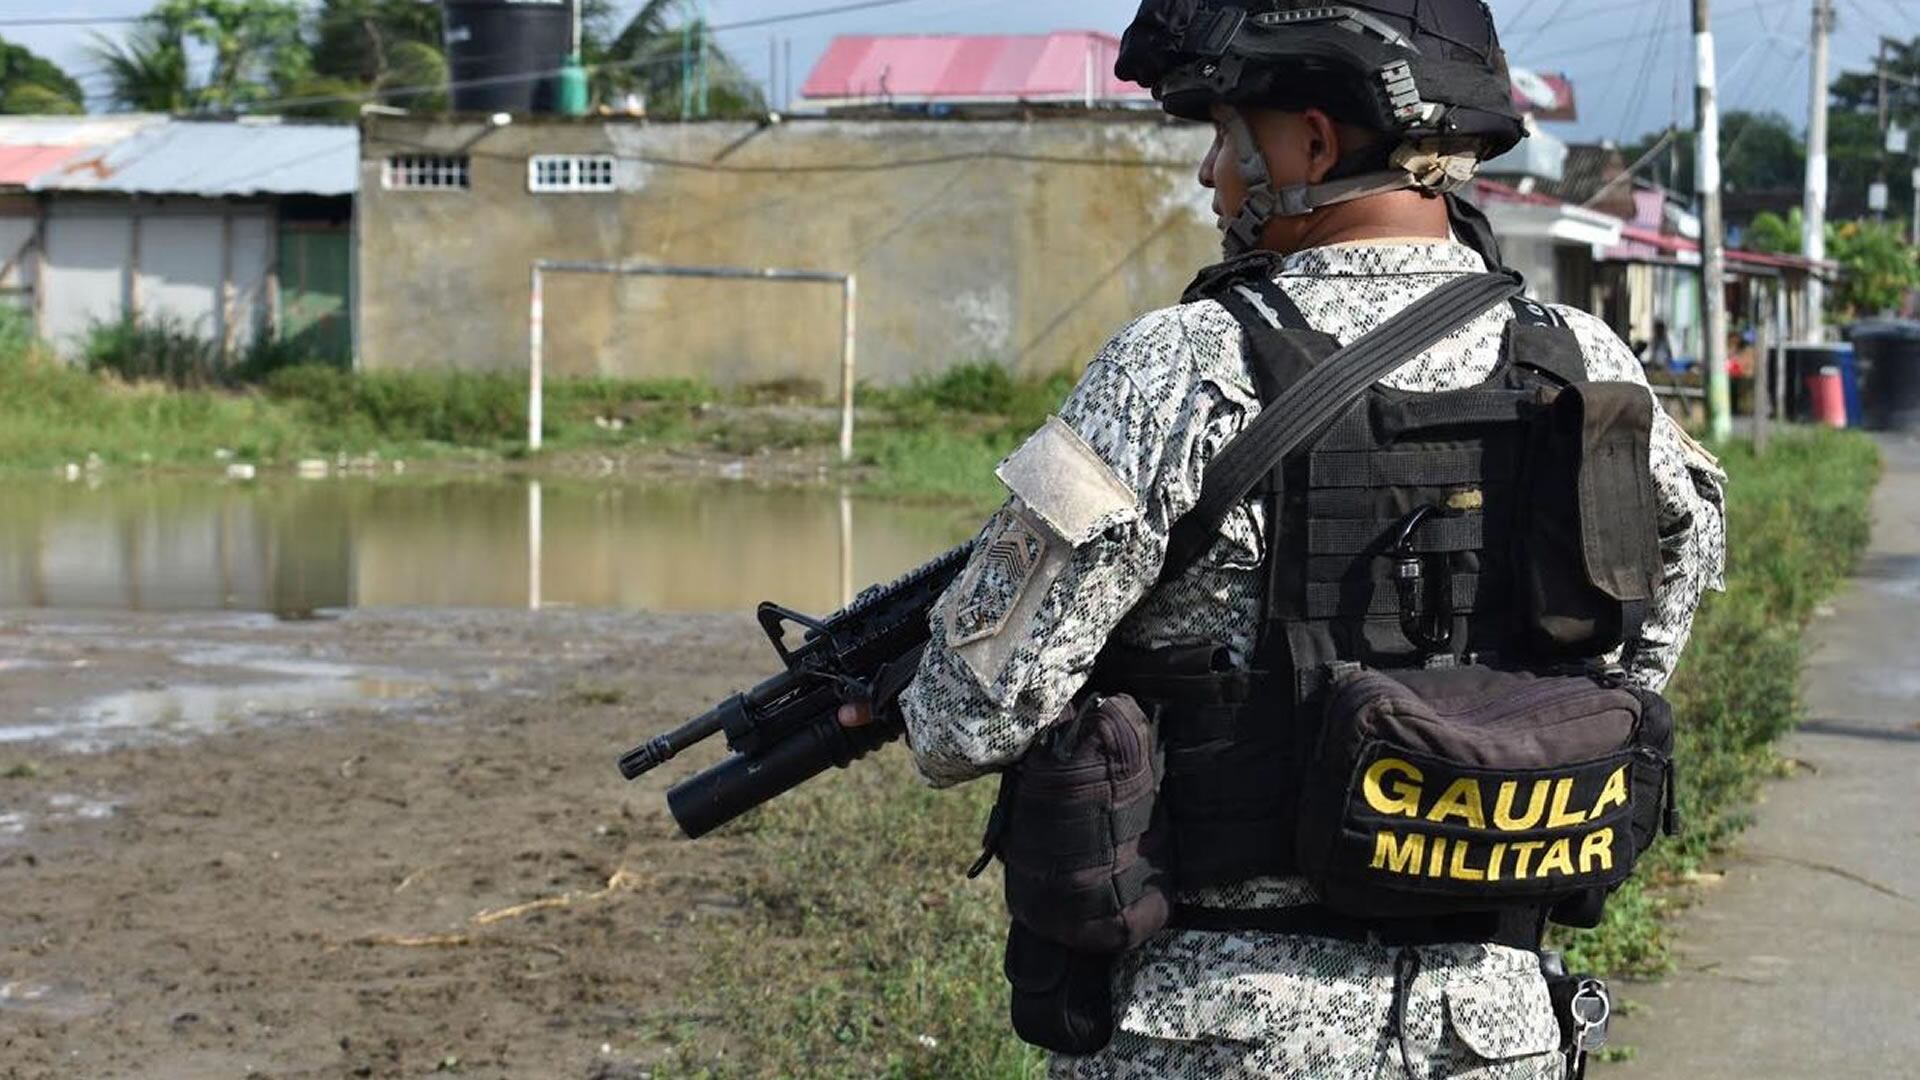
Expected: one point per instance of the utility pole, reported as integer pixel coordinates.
(1813, 217)
(1880, 69)
(1713, 241)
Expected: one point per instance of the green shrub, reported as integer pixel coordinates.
(160, 347)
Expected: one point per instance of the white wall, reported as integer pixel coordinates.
(184, 250)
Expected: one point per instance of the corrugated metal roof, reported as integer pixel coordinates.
(20, 164)
(969, 67)
(212, 159)
(73, 130)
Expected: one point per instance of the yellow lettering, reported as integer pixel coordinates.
(1503, 818)
(1597, 848)
(1402, 798)
(1461, 800)
(1439, 858)
(1613, 794)
(1559, 854)
(1458, 870)
(1560, 818)
(1493, 862)
(1396, 855)
(1523, 855)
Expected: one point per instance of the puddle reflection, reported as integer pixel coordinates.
(292, 547)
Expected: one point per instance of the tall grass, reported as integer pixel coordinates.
(860, 936)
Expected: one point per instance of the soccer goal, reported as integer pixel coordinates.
(536, 318)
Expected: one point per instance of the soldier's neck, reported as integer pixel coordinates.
(1403, 217)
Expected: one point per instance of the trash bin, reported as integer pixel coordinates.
(1804, 361)
(1888, 353)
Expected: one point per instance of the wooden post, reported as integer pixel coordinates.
(226, 285)
(1763, 309)
(132, 313)
(39, 299)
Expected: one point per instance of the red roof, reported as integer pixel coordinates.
(970, 67)
(21, 164)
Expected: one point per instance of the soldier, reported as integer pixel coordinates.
(1340, 134)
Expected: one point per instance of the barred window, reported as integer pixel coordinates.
(427, 172)
(551, 173)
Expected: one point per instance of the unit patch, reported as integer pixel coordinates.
(1446, 827)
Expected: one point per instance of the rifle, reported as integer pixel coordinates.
(786, 730)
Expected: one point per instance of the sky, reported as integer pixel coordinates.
(1630, 61)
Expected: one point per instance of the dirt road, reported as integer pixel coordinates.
(384, 845)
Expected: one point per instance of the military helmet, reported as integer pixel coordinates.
(1427, 74)
(1416, 68)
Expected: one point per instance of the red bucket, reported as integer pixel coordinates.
(1829, 397)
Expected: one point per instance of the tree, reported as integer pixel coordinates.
(1878, 266)
(1854, 153)
(256, 49)
(655, 55)
(1758, 152)
(1771, 234)
(30, 83)
(148, 70)
(374, 50)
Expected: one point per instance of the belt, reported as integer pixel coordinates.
(1518, 928)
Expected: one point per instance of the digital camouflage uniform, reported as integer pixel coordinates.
(1072, 560)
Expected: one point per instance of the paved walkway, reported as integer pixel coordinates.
(1805, 961)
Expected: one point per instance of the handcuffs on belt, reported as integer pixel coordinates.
(1583, 1007)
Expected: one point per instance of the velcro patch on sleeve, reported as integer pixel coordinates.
(1066, 484)
(990, 610)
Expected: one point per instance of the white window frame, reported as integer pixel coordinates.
(427, 172)
(571, 174)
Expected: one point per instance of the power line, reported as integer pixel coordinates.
(372, 95)
(71, 20)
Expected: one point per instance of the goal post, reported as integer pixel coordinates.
(536, 323)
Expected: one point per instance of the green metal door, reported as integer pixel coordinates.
(315, 267)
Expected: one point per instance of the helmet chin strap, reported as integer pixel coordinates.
(1414, 169)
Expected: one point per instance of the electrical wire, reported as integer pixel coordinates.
(893, 165)
(386, 93)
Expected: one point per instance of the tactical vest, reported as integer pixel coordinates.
(1508, 524)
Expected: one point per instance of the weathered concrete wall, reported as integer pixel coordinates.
(1024, 243)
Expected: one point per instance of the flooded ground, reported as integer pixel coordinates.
(293, 546)
(378, 844)
(316, 778)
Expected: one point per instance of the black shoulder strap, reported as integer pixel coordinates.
(1539, 339)
(1318, 395)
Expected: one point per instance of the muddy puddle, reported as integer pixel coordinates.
(297, 547)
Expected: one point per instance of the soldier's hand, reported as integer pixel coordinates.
(856, 714)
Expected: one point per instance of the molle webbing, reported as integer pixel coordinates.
(1318, 396)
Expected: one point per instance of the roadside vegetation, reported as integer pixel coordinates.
(862, 950)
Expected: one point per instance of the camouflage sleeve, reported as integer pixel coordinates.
(1690, 486)
(1077, 545)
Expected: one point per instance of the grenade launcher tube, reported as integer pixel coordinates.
(711, 798)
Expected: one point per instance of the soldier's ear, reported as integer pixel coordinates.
(1322, 135)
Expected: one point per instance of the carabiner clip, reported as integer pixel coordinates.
(1430, 631)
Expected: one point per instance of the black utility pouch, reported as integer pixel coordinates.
(1084, 848)
(1476, 789)
(1589, 552)
(1062, 997)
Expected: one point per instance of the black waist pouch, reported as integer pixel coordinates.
(1083, 846)
(1475, 789)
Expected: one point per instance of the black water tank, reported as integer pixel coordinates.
(1889, 355)
(505, 55)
